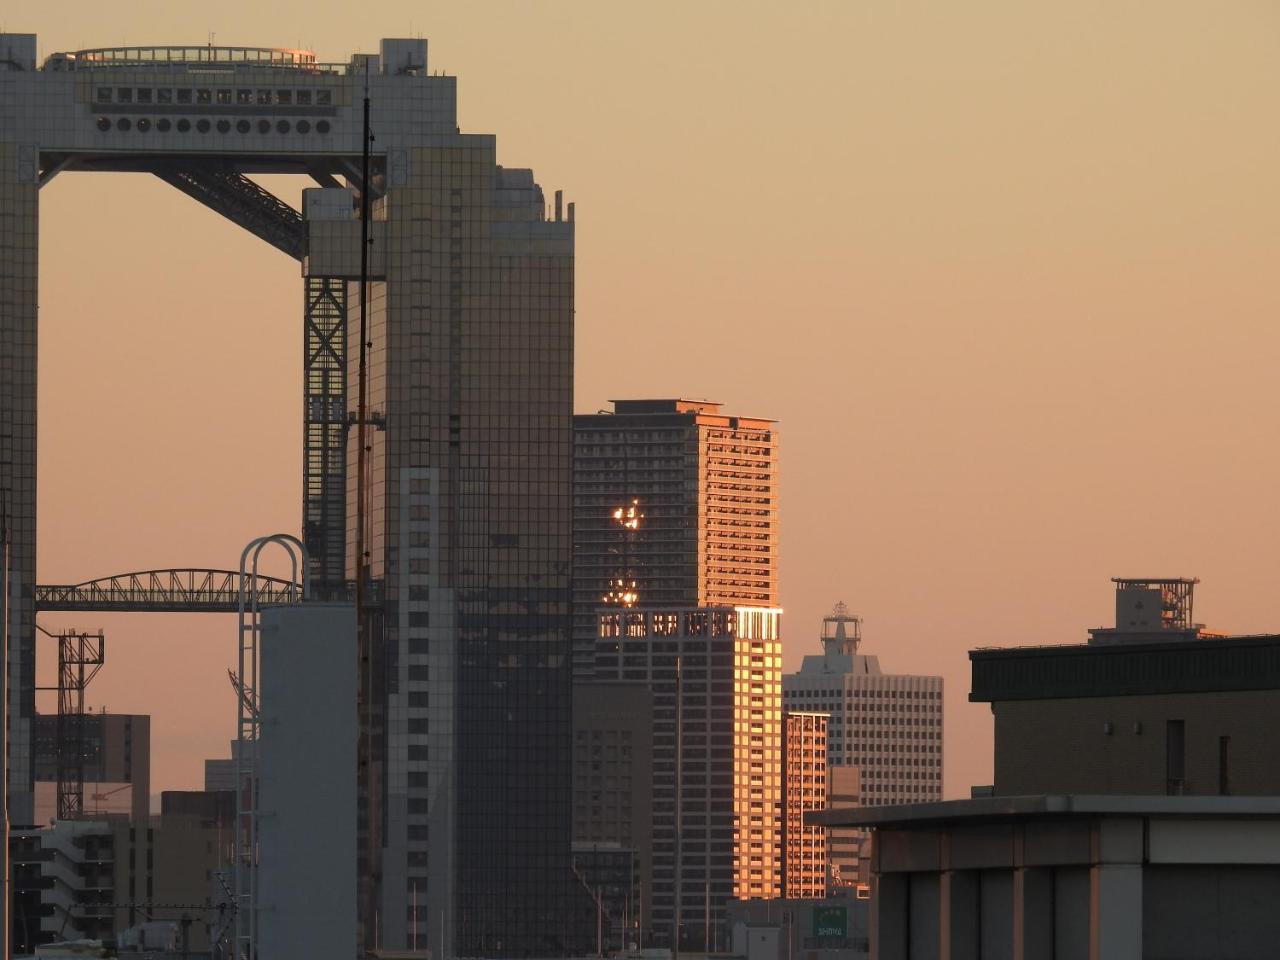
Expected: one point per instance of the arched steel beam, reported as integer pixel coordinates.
(182, 590)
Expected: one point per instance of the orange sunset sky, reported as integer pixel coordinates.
(1008, 274)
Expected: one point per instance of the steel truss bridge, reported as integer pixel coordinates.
(186, 590)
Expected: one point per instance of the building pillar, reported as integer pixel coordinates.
(890, 915)
(1033, 932)
(1115, 911)
(960, 905)
(19, 246)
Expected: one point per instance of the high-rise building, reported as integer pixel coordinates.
(715, 677)
(848, 848)
(675, 504)
(460, 519)
(804, 777)
(612, 803)
(887, 725)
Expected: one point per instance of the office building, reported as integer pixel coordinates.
(675, 505)
(805, 788)
(458, 529)
(1154, 705)
(116, 771)
(715, 677)
(848, 848)
(887, 725)
(612, 803)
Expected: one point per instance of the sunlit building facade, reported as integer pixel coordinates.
(804, 777)
(716, 680)
(887, 725)
(675, 504)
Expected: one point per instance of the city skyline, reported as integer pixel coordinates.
(963, 463)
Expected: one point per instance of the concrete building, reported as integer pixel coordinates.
(612, 802)
(117, 763)
(675, 505)
(1146, 707)
(1075, 878)
(715, 678)
(94, 879)
(805, 788)
(887, 725)
(466, 518)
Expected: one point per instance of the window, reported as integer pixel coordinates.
(124, 95)
(204, 96)
(144, 94)
(304, 98)
(224, 97)
(244, 97)
(183, 96)
(1175, 757)
(284, 97)
(164, 95)
(264, 98)
(104, 95)
(323, 98)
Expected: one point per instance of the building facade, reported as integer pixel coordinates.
(117, 763)
(887, 725)
(848, 848)
(462, 512)
(612, 802)
(715, 678)
(1154, 705)
(805, 787)
(675, 504)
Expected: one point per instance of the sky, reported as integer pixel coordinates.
(1006, 274)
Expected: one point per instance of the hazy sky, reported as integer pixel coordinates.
(1005, 272)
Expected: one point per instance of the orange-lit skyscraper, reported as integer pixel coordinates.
(804, 765)
(716, 678)
(675, 504)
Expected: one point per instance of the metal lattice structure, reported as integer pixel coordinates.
(324, 454)
(185, 590)
(220, 187)
(80, 657)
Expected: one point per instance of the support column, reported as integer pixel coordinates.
(19, 210)
(1033, 916)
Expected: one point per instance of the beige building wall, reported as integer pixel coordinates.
(1119, 745)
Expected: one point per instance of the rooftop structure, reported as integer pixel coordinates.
(1152, 710)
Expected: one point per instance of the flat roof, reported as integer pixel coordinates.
(1063, 805)
(1206, 665)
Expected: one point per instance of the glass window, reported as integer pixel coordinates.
(184, 96)
(144, 94)
(284, 97)
(224, 96)
(323, 98)
(124, 95)
(164, 95)
(264, 98)
(204, 96)
(304, 98)
(244, 96)
(104, 95)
